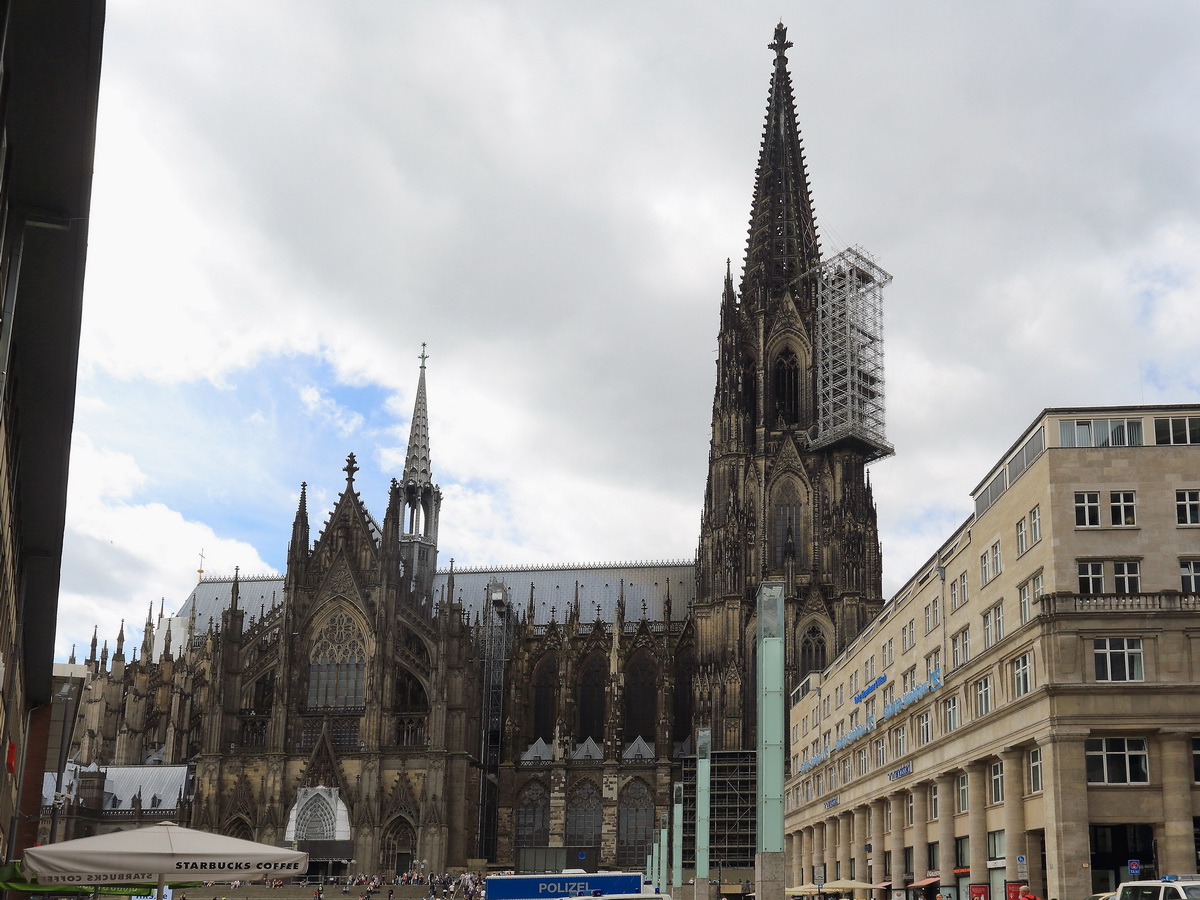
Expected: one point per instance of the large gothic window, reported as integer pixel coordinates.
(315, 821)
(584, 815)
(410, 693)
(635, 825)
(682, 706)
(641, 697)
(786, 383)
(545, 699)
(812, 651)
(590, 698)
(337, 673)
(786, 525)
(533, 816)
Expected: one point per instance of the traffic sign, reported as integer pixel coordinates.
(1135, 867)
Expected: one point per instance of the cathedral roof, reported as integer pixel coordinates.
(122, 784)
(599, 588)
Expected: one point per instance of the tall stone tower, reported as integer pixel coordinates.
(797, 415)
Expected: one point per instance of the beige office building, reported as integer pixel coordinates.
(1027, 708)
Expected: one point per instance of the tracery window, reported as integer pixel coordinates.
(315, 820)
(592, 681)
(545, 699)
(787, 523)
(337, 673)
(410, 693)
(786, 378)
(533, 816)
(812, 651)
(584, 815)
(641, 697)
(635, 824)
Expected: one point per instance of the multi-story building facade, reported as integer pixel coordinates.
(1027, 708)
(49, 84)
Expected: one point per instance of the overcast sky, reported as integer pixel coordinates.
(290, 197)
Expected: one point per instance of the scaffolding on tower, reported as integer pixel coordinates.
(850, 395)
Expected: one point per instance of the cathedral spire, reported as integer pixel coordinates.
(120, 652)
(783, 240)
(417, 467)
(148, 635)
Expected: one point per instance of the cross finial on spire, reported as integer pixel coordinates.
(424, 356)
(781, 44)
(351, 467)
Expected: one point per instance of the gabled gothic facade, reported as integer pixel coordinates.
(376, 709)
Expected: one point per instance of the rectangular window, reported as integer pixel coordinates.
(1087, 509)
(1126, 578)
(908, 635)
(950, 713)
(1189, 576)
(1091, 578)
(1117, 761)
(932, 855)
(983, 696)
(995, 842)
(996, 782)
(869, 669)
(1035, 525)
(960, 648)
(908, 680)
(1121, 508)
(1187, 507)
(924, 729)
(1022, 537)
(900, 737)
(962, 588)
(984, 574)
(1024, 602)
(1118, 658)
(1021, 675)
(889, 694)
(933, 662)
(928, 617)
(839, 695)
(1177, 430)
(993, 625)
(964, 797)
(933, 806)
(880, 753)
(1035, 770)
(863, 767)
(846, 773)
(997, 560)
(1100, 432)
(909, 808)
(953, 596)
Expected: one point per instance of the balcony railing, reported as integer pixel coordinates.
(1165, 601)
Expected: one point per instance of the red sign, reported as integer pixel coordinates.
(1012, 890)
(978, 892)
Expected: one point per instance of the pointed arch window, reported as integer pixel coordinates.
(590, 699)
(410, 693)
(533, 816)
(545, 699)
(786, 383)
(337, 672)
(584, 815)
(786, 523)
(641, 697)
(812, 651)
(635, 824)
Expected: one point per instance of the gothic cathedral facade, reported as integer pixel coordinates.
(383, 712)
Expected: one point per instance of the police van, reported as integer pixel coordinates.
(1169, 887)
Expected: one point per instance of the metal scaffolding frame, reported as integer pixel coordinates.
(850, 383)
(496, 634)
(733, 813)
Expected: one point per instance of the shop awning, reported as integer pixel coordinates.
(934, 880)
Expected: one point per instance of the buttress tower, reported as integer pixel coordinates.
(797, 416)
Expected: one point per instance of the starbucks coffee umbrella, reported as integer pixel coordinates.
(160, 853)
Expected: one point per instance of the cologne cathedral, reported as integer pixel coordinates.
(386, 714)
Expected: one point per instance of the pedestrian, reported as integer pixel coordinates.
(1024, 893)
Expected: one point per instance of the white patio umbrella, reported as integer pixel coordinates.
(160, 853)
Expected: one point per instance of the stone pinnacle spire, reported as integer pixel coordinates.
(417, 467)
(783, 240)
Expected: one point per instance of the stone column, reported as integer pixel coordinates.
(845, 835)
(1064, 780)
(791, 846)
(899, 804)
(977, 820)
(1176, 849)
(860, 841)
(920, 831)
(877, 814)
(806, 856)
(818, 854)
(1015, 843)
(946, 785)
